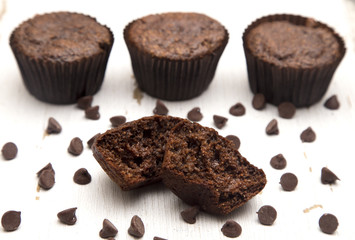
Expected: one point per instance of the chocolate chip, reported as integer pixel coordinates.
(235, 140)
(11, 220)
(328, 223)
(308, 135)
(267, 215)
(219, 121)
(46, 179)
(68, 216)
(272, 128)
(288, 181)
(278, 161)
(108, 229)
(9, 151)
(117, 120)
(332, 103)
(84, 102)
(159, 238)
(195, 114)
(92, 140)
(231, 229)
(137, 227)
(328, 177)
(259, 101)
(48, 167)
(286, 110)
(76, 146)
(53, 126)
(189, 214)
(237, 110)
(92, 113)
(82, 176)
(160, 108)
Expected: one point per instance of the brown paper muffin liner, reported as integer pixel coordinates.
(302, 87)
(173, 79)
(63, 82)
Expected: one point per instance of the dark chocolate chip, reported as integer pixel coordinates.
(46, 179)
(272, 128)
(231, 229)
(9, 151)
(278, 161)
(92, 113)
(328, 177)
(136, 228)
(117, 120)
(237, 110)
(259, 101)
(82, 176)
(108, 229)
(11, 220)
(48, 167)
(288, 181)
(92, 140)
(235, 140)
(53, 126)
(332, 103)
(308, 135)
(159, 238)
(160, 108)
(328, 223)
(68, 216)
(267, 215)
(84, 102)
(219, 121)
(286, 110)
(76, 146)
(195, 115)
(189, 214)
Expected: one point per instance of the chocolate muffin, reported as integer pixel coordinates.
(175, 55)
(62, 56)
(291, 58)
(205, 169)
(132, 154)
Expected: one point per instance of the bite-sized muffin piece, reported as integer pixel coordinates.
(291, 58)
(62, 56)
(132, 154)
(205, 169)
(175, 55)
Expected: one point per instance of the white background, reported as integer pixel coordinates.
(23, 120)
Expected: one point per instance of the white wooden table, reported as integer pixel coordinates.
(23, 120)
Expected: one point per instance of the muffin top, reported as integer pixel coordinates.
(285, 44)
(61, 36)
(176, 36)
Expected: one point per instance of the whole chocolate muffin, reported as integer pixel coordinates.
(62, 56)
(291, 58)
(175, 55)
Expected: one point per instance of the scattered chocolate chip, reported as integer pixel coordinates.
(288, 181)
(108, 229)
(219, 121)
(195, 115)
(117, 120)
(160, 108)
(272, 128)
(235, 140)
(137, 227)
(159, 238)
(92, 113)
(189, 214)
(53, 126)
(92, 140)
(278, 162)
(237, 110)
(9, 151)
(259, 101)
(82, 176)
(48, 167)
(328, 223)
(328, 177)
(68, 216)
(267, 215)
(76, 146)
(308, 135)
(11, 220)
(46, 179)
(84, 102)
(231, 229)
(332, 103)
(286, 110)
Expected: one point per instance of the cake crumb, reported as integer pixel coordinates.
(137, 94)
(307, 210)
(37, 197)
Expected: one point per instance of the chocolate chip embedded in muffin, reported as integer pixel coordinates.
(235, 140)
(9, 151)
(308, 135)
(91, 141)
(231, 229)
(11, 220)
